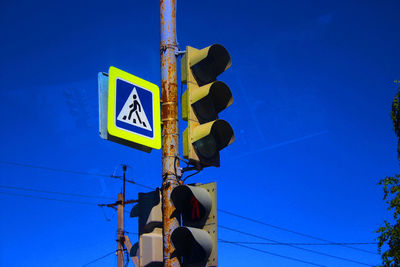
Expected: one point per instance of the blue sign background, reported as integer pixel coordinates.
(123, 90)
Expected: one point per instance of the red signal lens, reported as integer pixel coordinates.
(195, 208)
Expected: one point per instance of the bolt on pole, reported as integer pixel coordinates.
(169, 118)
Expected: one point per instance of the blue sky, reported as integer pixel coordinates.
(312, 83)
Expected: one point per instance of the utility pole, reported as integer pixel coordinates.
(169, 119)
(121, 240)
(120, 230)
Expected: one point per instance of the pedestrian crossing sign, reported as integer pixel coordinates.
(133, 115)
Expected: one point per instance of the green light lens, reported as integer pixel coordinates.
(206, 147)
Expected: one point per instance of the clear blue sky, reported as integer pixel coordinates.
(312, 83)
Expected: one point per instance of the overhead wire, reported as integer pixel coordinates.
(46, 198)
(52, 169)
(237, 242)
(290, 231)
(274, 254)
(151, 188)
(72, 171)
(105, 215)
(102, 257)
(52, 192)
(300, 244)
(293, 246)
(224, 241)
(54, 199)
(59, 193)
(127, 180)
(141, 185)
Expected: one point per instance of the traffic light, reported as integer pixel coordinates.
(149, 213)
(195, 241)
(203, 99)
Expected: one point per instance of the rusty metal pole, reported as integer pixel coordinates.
(169, 118)
(120, 230)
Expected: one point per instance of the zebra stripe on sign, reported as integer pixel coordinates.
(133, 112)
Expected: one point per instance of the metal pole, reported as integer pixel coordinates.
(169, 118)
(120, 231)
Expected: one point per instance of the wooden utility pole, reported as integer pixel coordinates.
(169, 119)
(122, 241)
(120, 230)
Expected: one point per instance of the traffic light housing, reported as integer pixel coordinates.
(149, 213)
(203, 99)
(195, 241)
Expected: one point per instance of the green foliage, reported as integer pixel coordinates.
(395, 115)
(390, 233)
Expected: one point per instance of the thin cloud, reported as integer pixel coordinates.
(252, 115)
(291, 141)
(325, 19)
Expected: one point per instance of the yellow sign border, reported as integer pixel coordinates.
(155, 142)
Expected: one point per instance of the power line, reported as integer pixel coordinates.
(293, 246)
(274, 254)
(46, 198)
(51, 169)
(299, 244)
(71, 171)
(102, 257)
(141, 185)
(230, 242)
(52, 192)
(148, 187)
(105, 215)
(291, 231)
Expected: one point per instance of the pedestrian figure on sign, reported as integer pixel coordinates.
(135, 106)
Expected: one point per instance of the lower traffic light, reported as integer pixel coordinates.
(195, 242)
(193, 245)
